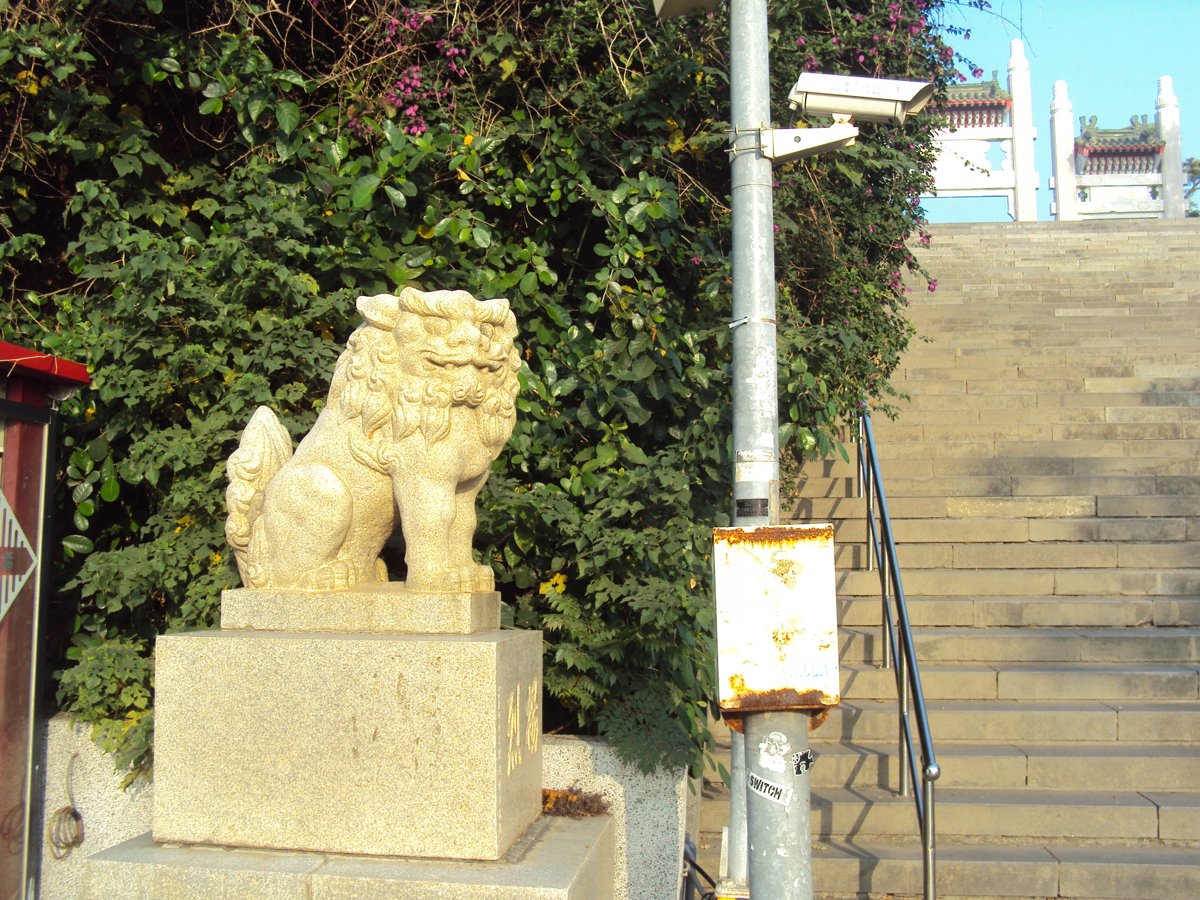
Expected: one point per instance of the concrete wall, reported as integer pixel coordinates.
(652, 814)
(110, 815)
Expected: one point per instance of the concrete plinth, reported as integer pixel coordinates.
(386, 607)
(570, 859)
(390, 744)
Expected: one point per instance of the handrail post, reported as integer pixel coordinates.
(902, 688)
(885, 607)
(866, 488)
(929, 835)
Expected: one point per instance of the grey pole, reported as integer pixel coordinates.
(737, 875)
(776, 798)
(777, 765)
(755, 388)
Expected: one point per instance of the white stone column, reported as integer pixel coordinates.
(1166, 115)
(1062, 143)
(1025, 195)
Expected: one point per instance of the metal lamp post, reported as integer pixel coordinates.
(772, 854)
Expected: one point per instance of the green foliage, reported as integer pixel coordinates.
(191, 208)
(1191, 184)
(110, 685)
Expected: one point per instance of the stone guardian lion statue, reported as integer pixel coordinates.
(421, 401)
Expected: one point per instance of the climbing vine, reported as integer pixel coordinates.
(193, 194)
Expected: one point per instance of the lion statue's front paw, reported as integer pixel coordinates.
(334, 576)
(465, 579)
(483, 578)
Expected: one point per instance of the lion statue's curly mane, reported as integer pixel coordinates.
(420, 403)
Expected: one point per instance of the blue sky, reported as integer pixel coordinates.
(1111, 54)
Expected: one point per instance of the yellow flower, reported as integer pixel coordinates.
(557, 584)
(30, 82)
(468, 139)
(216, 559)
(329, 212)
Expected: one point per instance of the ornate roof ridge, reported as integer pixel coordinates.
(1139, 134)
(979, 91)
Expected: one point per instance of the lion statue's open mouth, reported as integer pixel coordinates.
(421, 401)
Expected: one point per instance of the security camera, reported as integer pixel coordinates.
(863, 99)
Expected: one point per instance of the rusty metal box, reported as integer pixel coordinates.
(777, 644)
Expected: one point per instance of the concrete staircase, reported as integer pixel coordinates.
(1044, 481)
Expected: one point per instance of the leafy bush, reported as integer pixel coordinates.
(191, 208)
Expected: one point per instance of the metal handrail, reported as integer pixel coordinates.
(898, 645)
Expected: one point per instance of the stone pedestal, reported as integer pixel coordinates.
(368, 743)
(556, 859)
(413, 729)
(385, 608)
(390, 744)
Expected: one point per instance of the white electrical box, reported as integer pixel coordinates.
(777, 642)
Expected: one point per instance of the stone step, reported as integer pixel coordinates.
(1028, 321)
(857, 813)
(1048, 282)
(829, 486)
(952, 400)
(1040, 293)
(1032, 485)
(1014, 483)
(1038, 612)
(1068, 433)
(982, 507)
(1081, 681)
(941, 350)
(1118, 767)
(1034, 681)
(1038, 645)
(998, 582)
(1002, 814)
(982, 475)
(1032, 466)
(908, 532)
(984, 414)
(1170, 505)
(987, 448)
(893, 869)
(1094, 554)
(913, 375)
(1016, 721)
(1078, 766)
(1141, 530)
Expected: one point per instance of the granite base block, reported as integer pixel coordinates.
(389, 744)
(385, 607)
(652, 814)
(556, 859)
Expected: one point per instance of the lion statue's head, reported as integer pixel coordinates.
(419, 355)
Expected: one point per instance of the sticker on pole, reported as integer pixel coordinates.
(17, 559)
(773, 750)
(802, 762)
(776, 793)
